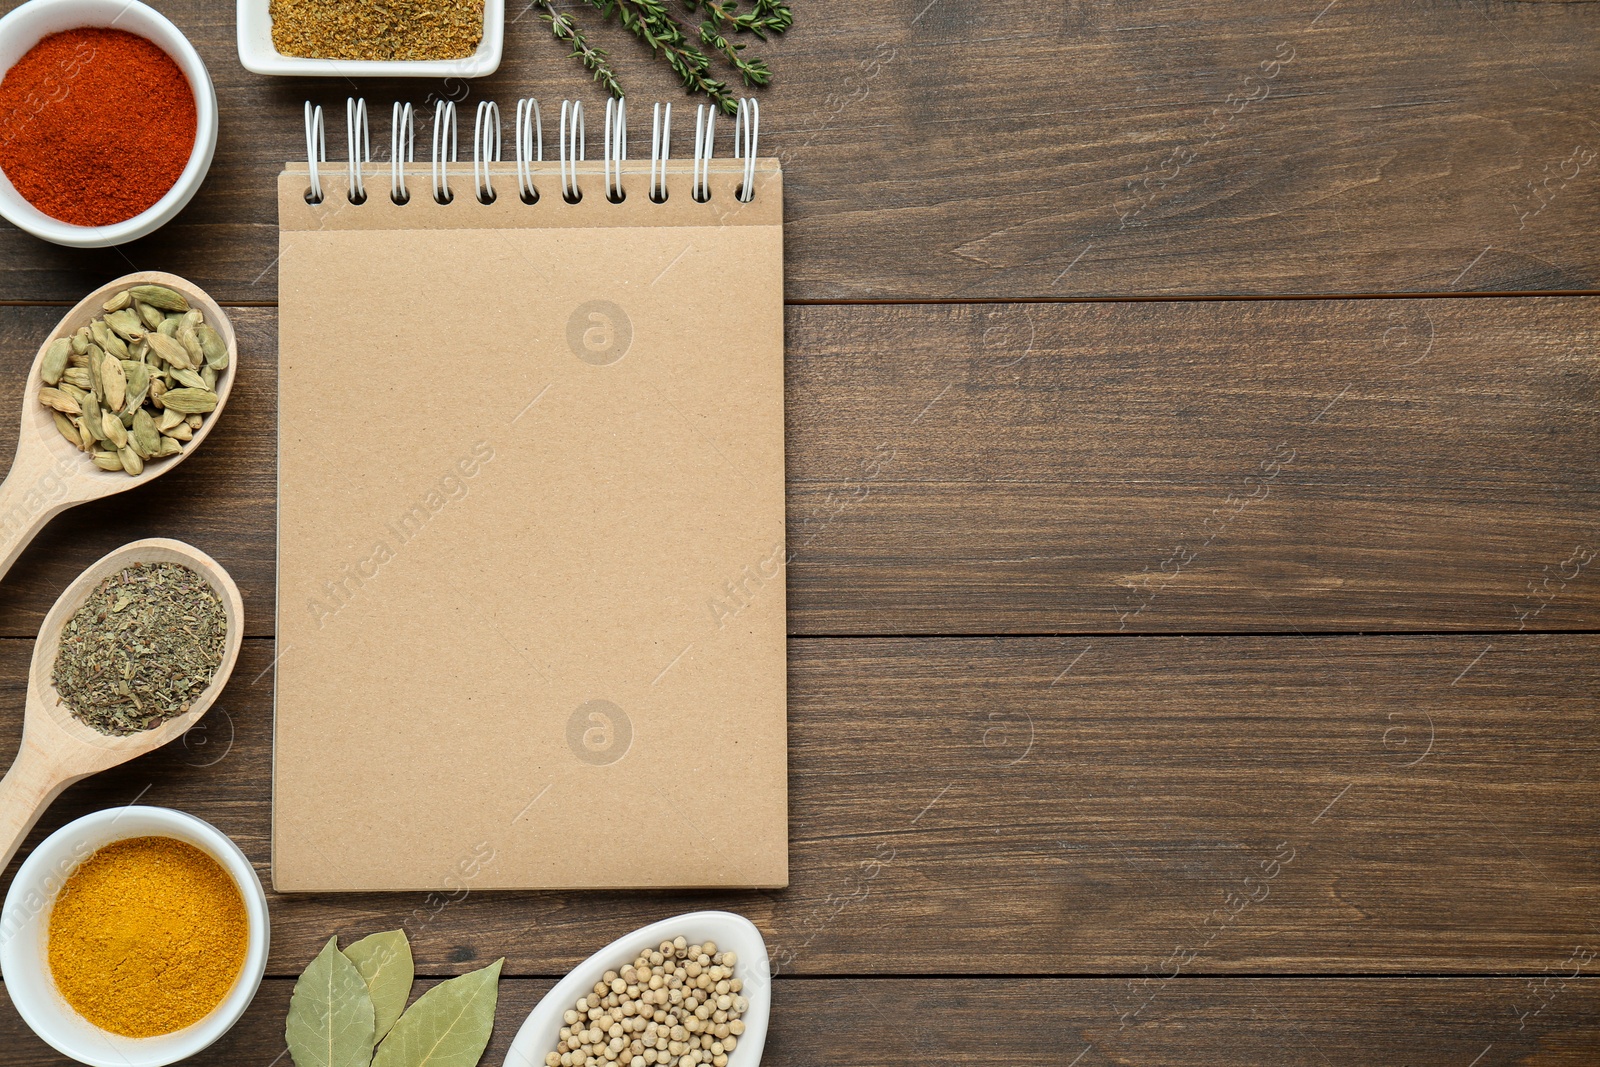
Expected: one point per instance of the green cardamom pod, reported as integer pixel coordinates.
(169, 418)
(158, 386)
(150, 316)
(115, 432)
(107, 340)
(118, 302)
(86, 437)
(190, 401)
(168, 350)
(126, 324)
(80, 340)
(113, 383)
(160, 296)
(209, 375)
(55, 360)
(180, 432)
(56, 400)
(130, 460)
(73, 391)
(145, 433)
(189, 378)
(67, 428)
(138, 376)
(108, 461)
(78, 376)
(91, 416)
(216, 352)
(191, 344)
(169, 447)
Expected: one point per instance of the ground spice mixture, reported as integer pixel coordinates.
(377, 29)
(147, 936)
(141, 649)
(96, 125)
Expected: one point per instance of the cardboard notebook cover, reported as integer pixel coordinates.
(530, 545)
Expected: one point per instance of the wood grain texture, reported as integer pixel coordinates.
(1001, 148)
(1039, 805)
(1193, 1023)
(1324, 465)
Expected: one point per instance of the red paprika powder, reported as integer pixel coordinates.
(95, 125)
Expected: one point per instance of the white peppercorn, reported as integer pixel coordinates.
(678, 1005)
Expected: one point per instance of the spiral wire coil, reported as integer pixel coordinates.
(528, 147)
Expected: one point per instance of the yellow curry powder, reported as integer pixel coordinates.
(147, 936)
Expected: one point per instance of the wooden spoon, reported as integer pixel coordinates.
(58, 749)
(48, 475)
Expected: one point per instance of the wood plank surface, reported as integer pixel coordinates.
(1145, 467)
(1004, 148)
(1214, 776)
(1427, 1022)
(1067, 806)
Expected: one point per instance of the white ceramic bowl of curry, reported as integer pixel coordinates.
(25, 926)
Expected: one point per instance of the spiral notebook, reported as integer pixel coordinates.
(531, 529)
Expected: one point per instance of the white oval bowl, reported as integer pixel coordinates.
(540, 1034)
(259, 55)
(35, 20)
(25, 927)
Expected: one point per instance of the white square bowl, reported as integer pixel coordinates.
(257, 53)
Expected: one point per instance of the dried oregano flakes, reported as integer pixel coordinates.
(141, 649)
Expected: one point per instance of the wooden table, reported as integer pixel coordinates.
(1192, 451)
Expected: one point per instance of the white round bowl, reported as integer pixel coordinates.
(25, 925)
(731, 932)
(32, 22)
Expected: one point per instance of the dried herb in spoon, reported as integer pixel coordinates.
(141, 649)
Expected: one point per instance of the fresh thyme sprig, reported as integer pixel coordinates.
(768, 16)
(752, 70)
(655, 26)
(595, 60)
(650, 21)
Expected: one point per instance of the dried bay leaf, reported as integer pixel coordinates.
(448, 1026)
(330, 1020)
(384, 960)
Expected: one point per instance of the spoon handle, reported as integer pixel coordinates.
(26, 790)
(36, 491)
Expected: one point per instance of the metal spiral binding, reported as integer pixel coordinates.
(529, 146)
(444, 150)
(316, 150)
(705, 122)
(571, 145)
(660, 152)
(746, 133)
(616, 148)
(485, 149)
(358, 139)
(402, 150)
